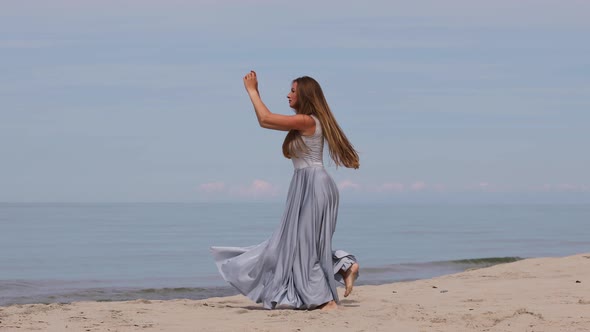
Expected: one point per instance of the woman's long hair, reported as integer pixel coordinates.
(311, 101)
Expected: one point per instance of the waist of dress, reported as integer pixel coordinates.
(312, 166)
(304, 166)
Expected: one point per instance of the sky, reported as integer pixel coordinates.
(143, 101)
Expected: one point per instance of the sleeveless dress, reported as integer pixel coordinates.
(296, 266)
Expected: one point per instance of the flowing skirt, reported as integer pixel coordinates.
(296, 266)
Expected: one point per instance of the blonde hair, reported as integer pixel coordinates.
(311, 101)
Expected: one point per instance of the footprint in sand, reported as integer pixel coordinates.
(474, 300)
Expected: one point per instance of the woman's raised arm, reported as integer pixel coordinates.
(269, 120)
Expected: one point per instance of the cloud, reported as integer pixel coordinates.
(571, 187)
(562, 187)
(396, 187)
(418, 186)
(488, 187)
(257, 189)
(347, 184)
(390, 187)
(439, 187)
(483, 185)
(212, 187)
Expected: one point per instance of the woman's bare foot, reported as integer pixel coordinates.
(349, 278)
(328, 306)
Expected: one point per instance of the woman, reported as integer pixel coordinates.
(296, 266)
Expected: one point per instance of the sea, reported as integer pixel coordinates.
(65, 252)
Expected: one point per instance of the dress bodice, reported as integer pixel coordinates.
(313, 157)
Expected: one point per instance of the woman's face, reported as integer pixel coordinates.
(292, 96)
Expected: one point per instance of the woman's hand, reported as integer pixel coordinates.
(251, 82)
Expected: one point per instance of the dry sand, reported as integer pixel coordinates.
(541, 294)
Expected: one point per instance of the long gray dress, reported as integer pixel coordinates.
(296, 266)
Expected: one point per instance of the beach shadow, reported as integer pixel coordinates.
(253, 307)
(344, 303)
(349, 303)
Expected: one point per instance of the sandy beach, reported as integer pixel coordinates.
(539, 294)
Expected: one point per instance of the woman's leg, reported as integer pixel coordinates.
(349, 277)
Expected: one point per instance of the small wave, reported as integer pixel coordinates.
(424, 270)
(486, 261)
(120, 294)
(170, 290)
(471, 262)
